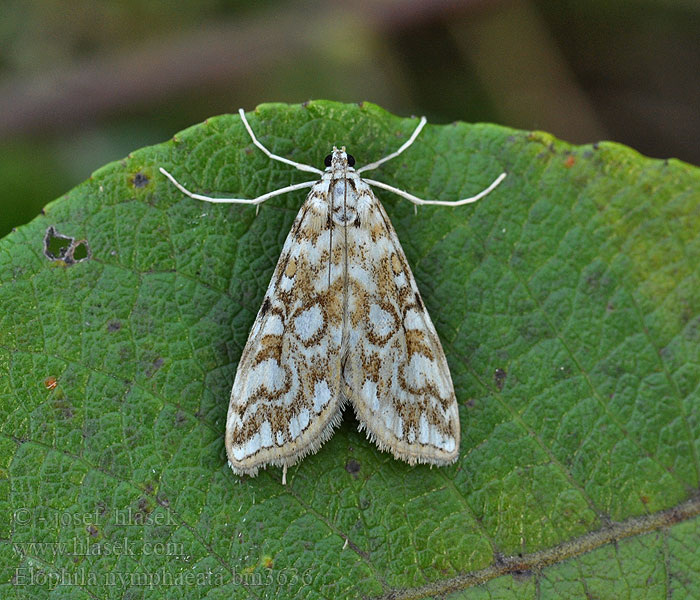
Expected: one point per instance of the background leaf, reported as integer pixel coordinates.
(569, 309)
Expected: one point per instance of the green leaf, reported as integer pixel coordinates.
(568, 304)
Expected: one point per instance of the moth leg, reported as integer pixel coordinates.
(254, 201)
(300, 166)
(394, 154)
(420, 202)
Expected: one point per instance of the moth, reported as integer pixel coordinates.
(342, 321)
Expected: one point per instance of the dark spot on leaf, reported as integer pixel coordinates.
(499, 378)
(352, 467)
(419, 302)
(157, 364)
(593, 281)
(92, 530)
(114, 326)
(145, 508)
(163, 501)
(470, 402)
(596, 146)
(364, 503)
(139, 180)
(180, 417)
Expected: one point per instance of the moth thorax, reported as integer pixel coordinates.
(344, 202)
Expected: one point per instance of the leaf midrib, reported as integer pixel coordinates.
(536, 561)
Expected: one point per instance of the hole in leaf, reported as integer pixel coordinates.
(55, 244)
(79, 251)
(59, 247)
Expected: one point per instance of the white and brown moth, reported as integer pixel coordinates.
(342, 320)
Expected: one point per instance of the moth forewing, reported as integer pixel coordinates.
(286, 396)
(396, 374)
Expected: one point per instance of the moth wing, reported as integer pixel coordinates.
(396, 374)
(286, 396)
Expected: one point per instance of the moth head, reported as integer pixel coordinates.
(339, 160)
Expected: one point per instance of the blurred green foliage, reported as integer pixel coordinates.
(624, 70)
